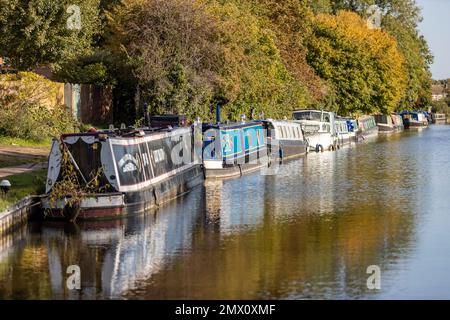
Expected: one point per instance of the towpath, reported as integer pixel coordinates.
(18, 159)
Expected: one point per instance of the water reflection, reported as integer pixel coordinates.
(310, 231)
(114, 256)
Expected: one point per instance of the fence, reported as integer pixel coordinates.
(89, 103)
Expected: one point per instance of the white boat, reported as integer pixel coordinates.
(319, 128)
(343, 133)
(285, 139)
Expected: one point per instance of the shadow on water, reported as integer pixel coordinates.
(309, 231)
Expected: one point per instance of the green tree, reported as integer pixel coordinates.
(35, 32)
(363, 66)
(401, 18)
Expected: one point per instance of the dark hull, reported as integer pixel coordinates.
(136, 202)
(288, 149)
(416, 125)
(236, 170)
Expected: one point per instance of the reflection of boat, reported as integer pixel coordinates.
(233, 149)
(319, 128)
(414, 119)
(115, 259)
(367, 127)
(120, 171)
(389, 122)
(285, 139)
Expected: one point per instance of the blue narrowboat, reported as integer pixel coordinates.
(414, 119)
(233, 149)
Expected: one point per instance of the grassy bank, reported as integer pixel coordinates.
(24, 142)
(10, 161)
(23, 185)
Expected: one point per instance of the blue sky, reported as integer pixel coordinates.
(436, 29)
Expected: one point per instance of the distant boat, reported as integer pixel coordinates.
(343, 131)
(233, 149)
(414, 119)
(319, 128)
(367, 127)
(389, 123)
(285, 139)
(439, 118)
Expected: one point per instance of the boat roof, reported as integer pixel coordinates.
(312, 110)
(123, 133)
(231, 125)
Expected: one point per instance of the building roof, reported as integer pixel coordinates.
(437, 89)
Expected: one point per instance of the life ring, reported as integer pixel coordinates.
(319, 148)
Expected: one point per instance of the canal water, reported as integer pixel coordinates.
(308, 232)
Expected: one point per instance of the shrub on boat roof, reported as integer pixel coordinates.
(31, 107)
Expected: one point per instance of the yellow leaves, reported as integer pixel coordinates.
(364, 64)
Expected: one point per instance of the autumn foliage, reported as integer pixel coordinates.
(249, 56)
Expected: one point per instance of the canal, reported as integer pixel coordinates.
(309, 231)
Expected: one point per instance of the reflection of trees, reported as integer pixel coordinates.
(28, 279)
(113, 256)
(317, 233)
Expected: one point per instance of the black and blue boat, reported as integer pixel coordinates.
(232, 149)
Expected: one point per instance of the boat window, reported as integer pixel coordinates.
(311, 128)
(308, 115)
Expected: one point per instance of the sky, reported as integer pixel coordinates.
(436, 29)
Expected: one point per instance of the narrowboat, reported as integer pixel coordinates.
(285, 140)
(319, 129)
(439, 118)
(343, 133)
(388, 123)
(414, 119)
(112, 173)
(233, 149)
(352, 127)
(367, 127)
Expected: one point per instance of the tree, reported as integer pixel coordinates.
(254, 76)
(363, 66)
(171, 48)
(401, 18)
(36, 32)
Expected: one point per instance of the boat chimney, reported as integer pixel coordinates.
(146, 115)
(218, 119)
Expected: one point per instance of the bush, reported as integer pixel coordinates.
(29, 108)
